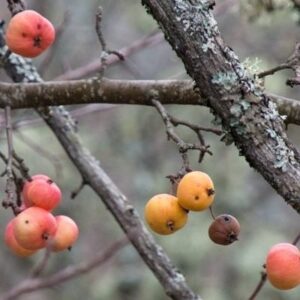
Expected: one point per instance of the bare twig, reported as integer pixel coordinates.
(274, 70)
(94, 66)
(43, 152)
(75, 193)
(23, 168)
(34, 284)
(293, 62)
(152, 39)
(15, 6)
(105, 52)
(9, 167)
(40, 267)
(296, 240)
(259, 286)
(183, 147)
(212, 212)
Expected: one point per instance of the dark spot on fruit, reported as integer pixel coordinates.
(37, 41)
(170, 225)
(26, 222)
(38, 26)
(232, 237)
(45, 236)
(197, 197)
(226, 219)
(50, 181)
(210, 192)
(24, 34)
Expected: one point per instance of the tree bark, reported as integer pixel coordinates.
(246, 113)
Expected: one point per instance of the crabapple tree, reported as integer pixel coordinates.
(196, 215)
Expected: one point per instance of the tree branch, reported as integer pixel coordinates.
(64, 128)
(246, 113)
(34, 284)
(137, 92)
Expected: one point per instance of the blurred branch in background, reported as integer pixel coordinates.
(59, 30)
(41, 151)
(94, 66)
(150, 40)
(33, 284)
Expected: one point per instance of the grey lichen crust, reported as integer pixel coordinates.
(191, 15)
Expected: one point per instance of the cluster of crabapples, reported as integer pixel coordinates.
(29, 34)
(166, 213)
(35, 227)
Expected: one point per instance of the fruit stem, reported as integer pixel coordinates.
(259, 286)
(211, 212)
(296, 240)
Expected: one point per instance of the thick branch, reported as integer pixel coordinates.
(64, 128)
(138, 92)
(245, 112)
(96, 91)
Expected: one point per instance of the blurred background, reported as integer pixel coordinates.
(131, 144)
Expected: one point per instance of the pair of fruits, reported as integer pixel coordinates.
(166, 213)
(283, 266)
(36, 227)
(29, 34)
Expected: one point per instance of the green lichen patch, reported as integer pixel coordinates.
(225, 80)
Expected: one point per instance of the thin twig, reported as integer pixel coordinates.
(259, 286)
(22, 167)
(94, 66)
(75, 193)
(195, 127)
(296, 240)
(9, 169)
(40, 267)
(34, 284)
(273, 70)
(16, 6)
(211, 212)
(41, 151)
(183, 147)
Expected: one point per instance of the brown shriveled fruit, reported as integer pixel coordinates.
(224, 230)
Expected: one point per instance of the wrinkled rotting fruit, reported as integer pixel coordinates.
(29, 34)
(164, 215)
(12, 244)
(283, 266)
(224, 230)
(195, 191)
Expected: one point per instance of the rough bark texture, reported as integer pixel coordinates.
(97, 91)
(138, 92)
(64, 128)
(248, 115)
